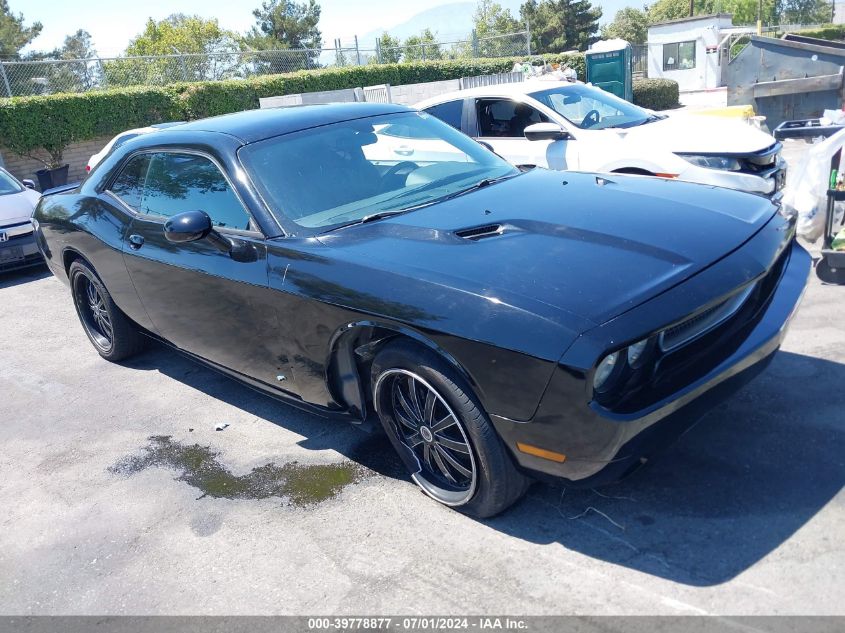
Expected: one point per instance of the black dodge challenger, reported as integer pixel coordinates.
(362, 258)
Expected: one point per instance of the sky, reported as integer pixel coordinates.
(112, 23)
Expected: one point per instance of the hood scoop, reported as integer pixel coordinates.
(476, 233)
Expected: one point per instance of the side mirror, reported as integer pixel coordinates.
(546, 132)
(29, 184)
(189, 226)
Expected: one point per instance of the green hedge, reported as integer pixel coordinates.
(52, 122)
(834, 32)
(656, 94)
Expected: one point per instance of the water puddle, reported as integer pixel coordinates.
(199, 467)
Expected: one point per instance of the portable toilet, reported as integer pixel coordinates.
(609, 66)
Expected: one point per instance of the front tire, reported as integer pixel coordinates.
(112, 334)
(425, 407)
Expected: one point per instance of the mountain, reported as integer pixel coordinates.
(453, 21)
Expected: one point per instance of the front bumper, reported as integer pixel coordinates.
(18, 248)
(601, 446)
(770, 184)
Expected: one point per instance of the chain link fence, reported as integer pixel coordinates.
(21, 78)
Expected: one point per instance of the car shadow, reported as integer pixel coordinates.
(731, 491)
(23, 276)
(728, 493)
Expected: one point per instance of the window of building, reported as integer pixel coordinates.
(679, 56)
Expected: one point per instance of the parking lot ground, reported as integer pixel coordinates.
(743, 516)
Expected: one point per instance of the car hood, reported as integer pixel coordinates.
(17, 207)
(690, 133)
(590, 245)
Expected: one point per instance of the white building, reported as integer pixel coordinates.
(691, 50)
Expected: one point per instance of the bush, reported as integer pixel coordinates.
(52, 122)
(656, 94)
(834, 32)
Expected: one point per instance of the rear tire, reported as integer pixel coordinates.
(112, 333)
(425, 406)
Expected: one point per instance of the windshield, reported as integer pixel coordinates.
(593, 108)
(338, 174)
(8, 184)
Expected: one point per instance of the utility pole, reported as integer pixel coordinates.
(759, 17)
(691, 7)
(528, 36)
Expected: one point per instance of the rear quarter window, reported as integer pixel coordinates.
(449, 112)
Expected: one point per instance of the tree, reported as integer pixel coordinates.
(628, 24)
(76, 76)
(283, 24)
(664, 10)
(745, 11)
(13, 34)
(214, 53)
(389, 49)
(422, 47)
(183, 34)
(78, 46)
(806, 12)
(490, 20)
(561, 25)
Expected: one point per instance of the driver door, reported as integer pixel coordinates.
(207, 302)
(501, 123)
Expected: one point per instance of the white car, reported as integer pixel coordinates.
(121, 138)
(575, 126)
(17, 241)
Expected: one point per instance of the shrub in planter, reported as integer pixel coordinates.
(50, 177)
(656, 94)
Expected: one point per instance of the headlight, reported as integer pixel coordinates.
(604, 370)
(725, 163)
(635, 353)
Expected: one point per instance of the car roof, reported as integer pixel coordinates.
(254, 125)
(520, 88)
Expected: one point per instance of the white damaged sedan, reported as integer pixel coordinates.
(575, 126)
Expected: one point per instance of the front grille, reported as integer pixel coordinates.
(19, 236)
(765, 164)
(16, 231)
(761, 162)
(698, 325)
(691, 348)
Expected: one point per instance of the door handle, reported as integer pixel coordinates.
(136, 241)
(404, 150)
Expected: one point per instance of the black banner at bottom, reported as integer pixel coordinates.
(409, 623)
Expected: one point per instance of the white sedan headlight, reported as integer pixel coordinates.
(724, 163)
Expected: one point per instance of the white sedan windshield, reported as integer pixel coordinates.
(8, 184)
(342, 173)
(593, 108)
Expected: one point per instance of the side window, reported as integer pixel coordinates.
(506, 118)
(185, 182)
(449, 112)
(129, 185)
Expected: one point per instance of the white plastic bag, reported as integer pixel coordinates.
(806, 191)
